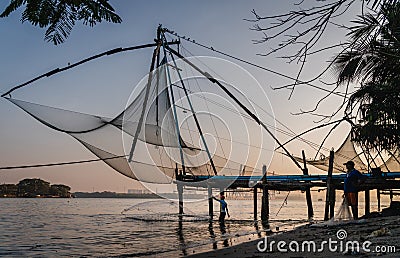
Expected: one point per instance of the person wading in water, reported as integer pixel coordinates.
(223, 211)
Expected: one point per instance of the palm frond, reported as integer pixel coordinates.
(14, 5)
(364, 27)
(38, 12)
(60, 16)
(92, 12)
(374, 60)
(61, 25)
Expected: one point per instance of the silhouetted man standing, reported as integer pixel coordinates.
(351, 183)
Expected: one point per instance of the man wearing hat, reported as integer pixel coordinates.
(351, 183)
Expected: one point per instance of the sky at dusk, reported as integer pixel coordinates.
(103, 86)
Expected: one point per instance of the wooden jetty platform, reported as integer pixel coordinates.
(384, 182)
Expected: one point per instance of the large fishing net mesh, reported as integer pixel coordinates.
(347, 152)
(151, 137)
(343, 154)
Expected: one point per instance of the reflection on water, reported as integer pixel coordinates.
(212, 235)
(181, 238)
(95, 227)
(222, 227)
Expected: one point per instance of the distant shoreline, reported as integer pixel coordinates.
(92, 195)
(33, 197)
(115, 195)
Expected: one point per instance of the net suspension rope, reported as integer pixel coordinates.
(250, 63)
(255, 118)
(290, 132)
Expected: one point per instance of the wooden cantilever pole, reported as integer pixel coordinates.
(107, 53)
(146, 96)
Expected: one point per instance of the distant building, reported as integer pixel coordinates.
(139, 191)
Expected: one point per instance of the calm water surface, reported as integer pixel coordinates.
(96, 227)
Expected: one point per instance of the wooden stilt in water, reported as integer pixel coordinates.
(180, 197)
(329, 186)
(265, 199)
(255, 202)
(310, 209)
(391, 195)
(179, 187)
(332, 201)
(367, 202)
(378, 197)
(210, 203)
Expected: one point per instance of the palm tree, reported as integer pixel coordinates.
(373, 60)
(59, 16)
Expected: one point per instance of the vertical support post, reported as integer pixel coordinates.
(180, 197)
(310, 209)
(210, 203)
(265, 199)
(179, 187)
(378, 196)
(329, 186)
(367, 202)
(332, 201)
(255, 202)
(391, 195)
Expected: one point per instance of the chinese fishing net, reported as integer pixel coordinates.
(343, 154)
(151, 136)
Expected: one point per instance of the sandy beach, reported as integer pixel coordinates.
(375, 237)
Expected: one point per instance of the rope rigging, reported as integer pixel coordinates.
(254, 117)
(291, 133)
(166, 46)
(58, 164)
(252, 64)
